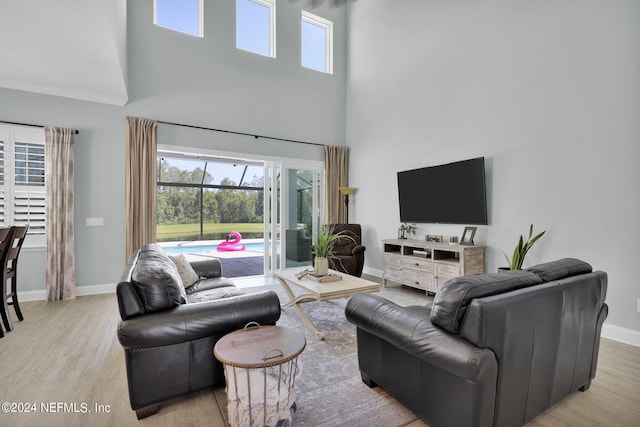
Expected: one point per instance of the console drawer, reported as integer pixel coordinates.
(418, 278)
(393, 259)
(418, 263)
(447, 270)
(393, 272)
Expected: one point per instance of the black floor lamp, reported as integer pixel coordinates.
(346, 191)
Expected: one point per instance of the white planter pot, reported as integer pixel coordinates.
(321, 266)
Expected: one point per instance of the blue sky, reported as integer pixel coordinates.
(179, 15)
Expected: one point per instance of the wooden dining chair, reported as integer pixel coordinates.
(6, 240)
(10, 274)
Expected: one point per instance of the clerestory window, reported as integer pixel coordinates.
(317, 43)
(185, 16)
(256, 26)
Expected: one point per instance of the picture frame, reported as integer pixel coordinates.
(433, 238)
(467, 235)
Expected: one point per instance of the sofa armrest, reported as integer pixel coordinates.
(207, 268)
(413, 332)
(189, 322)
(358, 249)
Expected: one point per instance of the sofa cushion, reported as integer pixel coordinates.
(209, 283)
(451, 302)
(214, 294)
(156, 280)
(556, 270)
(186, 272)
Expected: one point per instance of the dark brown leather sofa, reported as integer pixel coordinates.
(168, 334)
(494, 349)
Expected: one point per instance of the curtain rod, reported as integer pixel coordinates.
(240, 133)
(28, 124)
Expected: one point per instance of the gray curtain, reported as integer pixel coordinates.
(140, 183)
(60, 273)
(336, 166)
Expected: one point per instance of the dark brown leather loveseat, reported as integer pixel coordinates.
(494, 349)
(168, 334)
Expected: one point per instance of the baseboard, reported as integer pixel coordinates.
(372, 271)
(32, 295)
(80, 291)
(618, 333)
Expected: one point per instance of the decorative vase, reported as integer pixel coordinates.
(321, 267)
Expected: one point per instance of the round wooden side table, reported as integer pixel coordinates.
(260, 364)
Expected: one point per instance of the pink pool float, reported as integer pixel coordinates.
(232, 245)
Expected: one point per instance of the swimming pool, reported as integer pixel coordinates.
(194, 248)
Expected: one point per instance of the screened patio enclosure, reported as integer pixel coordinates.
(202, 199)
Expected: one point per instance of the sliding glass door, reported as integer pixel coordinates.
(240, 210)
(295, 201)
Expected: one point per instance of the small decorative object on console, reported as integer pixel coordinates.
(406, 230)
(467, 236)
(433, 238)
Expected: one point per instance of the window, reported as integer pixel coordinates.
(184, 16)
(22, 191)
(204, 198)
(256, 26)
(317, 43)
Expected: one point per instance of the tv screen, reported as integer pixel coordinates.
(453, 193)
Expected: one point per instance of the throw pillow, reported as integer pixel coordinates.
(156, 280)
(186, 272)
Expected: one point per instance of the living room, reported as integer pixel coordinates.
(547, 92)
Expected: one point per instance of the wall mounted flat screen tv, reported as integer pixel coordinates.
(453, 193)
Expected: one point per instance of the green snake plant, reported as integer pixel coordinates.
(521, 249)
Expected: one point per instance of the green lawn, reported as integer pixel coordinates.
(213, 231)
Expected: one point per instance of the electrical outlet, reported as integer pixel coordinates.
(94, 222)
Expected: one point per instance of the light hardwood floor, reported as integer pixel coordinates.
(67, 353)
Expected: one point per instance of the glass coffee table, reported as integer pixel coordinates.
(314, 291)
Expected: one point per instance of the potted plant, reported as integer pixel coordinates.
(406, 230)
(521, 249)
(322, 248)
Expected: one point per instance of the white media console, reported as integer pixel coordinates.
(427, 265)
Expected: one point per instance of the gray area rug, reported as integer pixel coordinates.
(330, 392)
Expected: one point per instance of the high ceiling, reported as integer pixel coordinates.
(69, 48)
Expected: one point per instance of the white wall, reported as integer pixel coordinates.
(547, 91)
(177, 78)
(208, 82)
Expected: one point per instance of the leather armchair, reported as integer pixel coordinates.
(493, 350)
(348, 255)
(168, 341)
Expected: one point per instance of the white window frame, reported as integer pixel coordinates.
(271, 5)
(327, 25)
(200, 20)
(13, 196)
